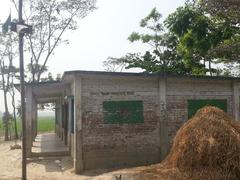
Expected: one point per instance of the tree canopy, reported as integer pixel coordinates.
(50, 19)
(8, 73)
(189, 41)
(199, 35)
(226, 13)
(162, 56)
(223, 9)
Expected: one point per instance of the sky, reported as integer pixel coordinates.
(102, 34)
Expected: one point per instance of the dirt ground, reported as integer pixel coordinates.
(51, 168)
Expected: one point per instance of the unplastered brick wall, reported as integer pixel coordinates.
(109, 145)
(113, 145)
(179, 91)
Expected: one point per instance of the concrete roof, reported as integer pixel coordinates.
(70, 74)
(51, 90)
(46, 92)
(145, 74)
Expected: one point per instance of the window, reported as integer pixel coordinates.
(195, 105)
(119, 112)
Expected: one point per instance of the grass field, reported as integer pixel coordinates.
(45, 124)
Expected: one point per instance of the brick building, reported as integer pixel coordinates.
(124, 119)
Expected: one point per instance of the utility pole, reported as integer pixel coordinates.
(21, 28)
(22, 84)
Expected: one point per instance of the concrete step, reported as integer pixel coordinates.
(50, 154)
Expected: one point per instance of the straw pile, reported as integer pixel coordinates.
(209, 142)
(205, 147)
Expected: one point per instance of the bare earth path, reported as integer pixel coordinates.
(49, 169)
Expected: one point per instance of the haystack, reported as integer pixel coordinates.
(205, 147)
(209, 142)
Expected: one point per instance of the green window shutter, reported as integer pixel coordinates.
(195, 105)
(119, 112)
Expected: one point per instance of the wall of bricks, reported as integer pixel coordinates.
(114, 145)
(179, 91)
(95, 144)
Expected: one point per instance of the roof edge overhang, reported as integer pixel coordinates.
(18, 87)
(70, 74)
(145, 74)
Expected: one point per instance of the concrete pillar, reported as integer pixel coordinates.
(29, 103)
(55, 119)
(34, 118)
(70, 111)
(78, 139)
(36, 121)
(236, 100)
(163, 123)
(58, 117)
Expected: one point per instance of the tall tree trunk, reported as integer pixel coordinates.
(14, 112)
(10, 130)
(6, 116)
(6, 120)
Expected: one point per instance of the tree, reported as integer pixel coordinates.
(162, 57)
(223, 9)
(51, 19)
(199, 34)
(14, 75)
(114, 64)
(226, 13)
(48, 78)
(191, 27)
(7, 72)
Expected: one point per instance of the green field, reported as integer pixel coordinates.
(45, 124)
